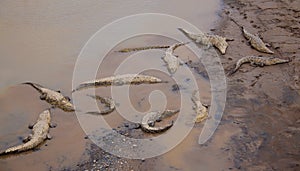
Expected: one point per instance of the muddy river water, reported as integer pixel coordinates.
(40, 42)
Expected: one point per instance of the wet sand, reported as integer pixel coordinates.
(263, 102)
(259, 128)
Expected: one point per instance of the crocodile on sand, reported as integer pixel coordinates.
(208, 40)
(107, 101)
(148, 121)
(55, 98)
(254, 40)
(120, 80)
(40, 132)
(258, 61)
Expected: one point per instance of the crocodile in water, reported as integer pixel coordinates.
(55, 98)
(120, 80)
(40, 132)
(148, 121)
(107, 101)
(208, 40)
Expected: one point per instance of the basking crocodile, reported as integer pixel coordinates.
(170, 59)
(257, 61)
(200, 109)
(148, 121)
(108, 102)
(55, 98)
(142, 48)
(254, 40)
(208, 40)
(120, 80)
(40, 132)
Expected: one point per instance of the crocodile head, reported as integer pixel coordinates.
(67, 106)
(220, 43)
(45, 115)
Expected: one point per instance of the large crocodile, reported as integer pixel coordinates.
(55, 98)
(120, 80)
(107, 101)
(40, 132)
(257, 61)
(170, 59)
(254, 40)
(148, 121)
(208, 40)
(126, 50)
(200, 109)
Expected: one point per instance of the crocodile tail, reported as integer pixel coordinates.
(126, 50)
(233, 70)
(35, 86)
(180, 44)
(11, 150)
(241, 27)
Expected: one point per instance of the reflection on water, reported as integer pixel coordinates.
(40, 41)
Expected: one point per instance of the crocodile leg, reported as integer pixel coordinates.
(28, 138)
(68, 98)
(253, 64)
(30, 126)
(49, 137)
(43, 96)
(52, 125)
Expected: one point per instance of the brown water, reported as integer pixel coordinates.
(40, 42)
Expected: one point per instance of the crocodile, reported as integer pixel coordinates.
(107, 101)
(208, 40)
(120, 80)
(40, 132)
(126, 50)
(257, 61)
(254, 40)
(201, 110)
(170, 59)
(148, 121)
(55, 98)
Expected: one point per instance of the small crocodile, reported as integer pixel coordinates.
(208, 40)
(201, 110)
(254, 40)
(257, 61)
(126, 50)
(120, 80)
(55, 98)
(40, 132)
(170, 59)
(107, 101)
(148, 121)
